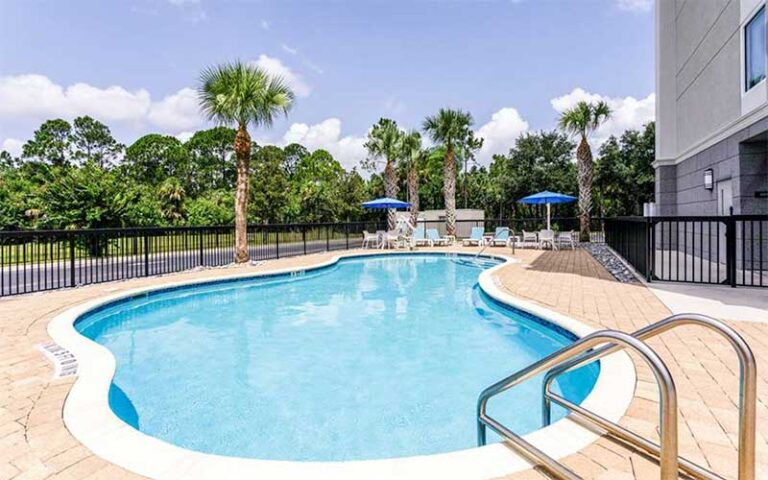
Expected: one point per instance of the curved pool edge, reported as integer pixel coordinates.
(92, 422)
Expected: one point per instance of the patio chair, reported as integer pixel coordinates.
(370, 239)
(530, 239)
(475, 237)
(547, 237)
(437, 239)
(501, 237)
(391, 239)
(567, 239)
(420, 237)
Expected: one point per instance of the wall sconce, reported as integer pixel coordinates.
(709, 183)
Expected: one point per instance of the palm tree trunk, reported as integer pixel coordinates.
(584, 156)
(413, 192)
(390, 190)
(449, 191)
(243, 154)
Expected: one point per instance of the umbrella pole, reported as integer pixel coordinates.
(548, 225)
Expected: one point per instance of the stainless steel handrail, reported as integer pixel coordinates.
(747, 393)
(477, 255)
(667, 393)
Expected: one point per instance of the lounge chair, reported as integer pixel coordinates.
(437, 239)
(530, 239)
(475, 237)
(566, 239)
(501, 237)
(391, 239)
(370, 239)
(420, 237)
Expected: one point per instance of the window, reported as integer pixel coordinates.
(754, 50)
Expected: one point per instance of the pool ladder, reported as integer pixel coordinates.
(495, 235)
(584, 352)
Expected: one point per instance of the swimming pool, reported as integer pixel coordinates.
(372, 357)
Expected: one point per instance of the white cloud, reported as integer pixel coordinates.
(635, 5)
(184, 136)
(179, 111)
(275, 67)
(500, 134)
(627, 112)
(348, 150)
(12, 146)
(36, 97)
(264, 25)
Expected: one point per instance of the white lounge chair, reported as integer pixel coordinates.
(566, 239)
(420, 237)
(501, 237)
(370, 239)
(475, 237)
(437, 239)
(391, 240)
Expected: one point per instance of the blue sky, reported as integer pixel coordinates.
(513, 64)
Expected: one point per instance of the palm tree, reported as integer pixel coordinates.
(582, 120)
(412, 154)
(384, 142)
(451, 129)
(241, 95)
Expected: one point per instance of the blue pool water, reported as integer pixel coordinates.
(371, 358)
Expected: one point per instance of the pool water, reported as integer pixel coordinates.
(371, 358)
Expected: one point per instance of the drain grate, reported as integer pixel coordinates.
(64, 362)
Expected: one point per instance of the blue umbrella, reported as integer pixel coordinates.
(385, 203)
(548, 198)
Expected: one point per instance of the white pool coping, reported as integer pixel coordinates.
(89, 418)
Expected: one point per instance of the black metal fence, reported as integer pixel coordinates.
(730, 250)
(33, 261)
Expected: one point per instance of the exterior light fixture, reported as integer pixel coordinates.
(709, 183)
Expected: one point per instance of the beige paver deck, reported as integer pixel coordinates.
(35, 444)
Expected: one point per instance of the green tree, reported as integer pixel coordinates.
(384, 143)
(242, 95)
(581, 121)
(452, 129)
(212, 163)
(269, 186)
(316, 185)
(293, 155)
(92, 141)
(51, 143)
(153, 158)
(538, 161)
(216, 207)
(412, 155)
(172, 196)
(624, 174)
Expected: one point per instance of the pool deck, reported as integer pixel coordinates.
(35, 444)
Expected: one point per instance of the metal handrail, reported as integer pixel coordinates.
(747, 393)
(667, 401)
(477, 255)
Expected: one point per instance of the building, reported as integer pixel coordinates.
(711, 107)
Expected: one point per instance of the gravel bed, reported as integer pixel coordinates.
(610, 261)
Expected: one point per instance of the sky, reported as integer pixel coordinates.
(514, 64)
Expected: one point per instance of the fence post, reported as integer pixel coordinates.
(730, 250)
(304, 237)
(146, 254)
(327, 238)
(72, 260)
(650, 249)
(200, 239)
(346, 233)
